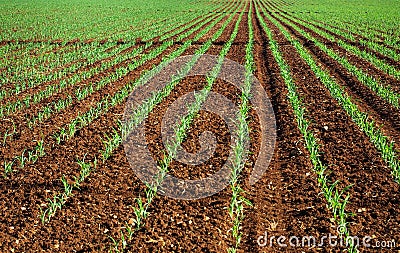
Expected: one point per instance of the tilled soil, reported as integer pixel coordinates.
(287, 200)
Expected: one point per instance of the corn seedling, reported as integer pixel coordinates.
(60, 199)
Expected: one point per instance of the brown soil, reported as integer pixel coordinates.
(286, 200)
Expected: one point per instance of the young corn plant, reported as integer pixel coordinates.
(22, 159)
(111, 142)
(7, 134)
(60, 199)
(8, 168)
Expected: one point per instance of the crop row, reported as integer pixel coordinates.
(238, 200)
(200, 51)
(14, 54)
(355, 38)
(366, 24)
(118, 73)
(334, 197)
(340, 29)
(52, 20)
(21, 54)
(377, 36)
(39, 78)
(79, 77)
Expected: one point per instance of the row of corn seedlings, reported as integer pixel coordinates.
(22, 68)
(170, 21)
(95, 51)
(47, 63)
(159, 26)
(46, 60)
(342, 31)
(7, 52)
(374, 30)
(367, 32)
(384, 91)
(110, 101)
(113, 141)
(60, 199)
(334, 197)
(30, 78)
(383, 144)
(183, 28)
(238, 201)
(95, 26)
(13, 53)
(141, 211)
(25, 102)
(67, 132)
(82, 92)
(30, 156)
(54, 107)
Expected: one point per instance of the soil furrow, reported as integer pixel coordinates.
(286, 199)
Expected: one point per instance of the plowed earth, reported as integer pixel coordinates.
(287, 200)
